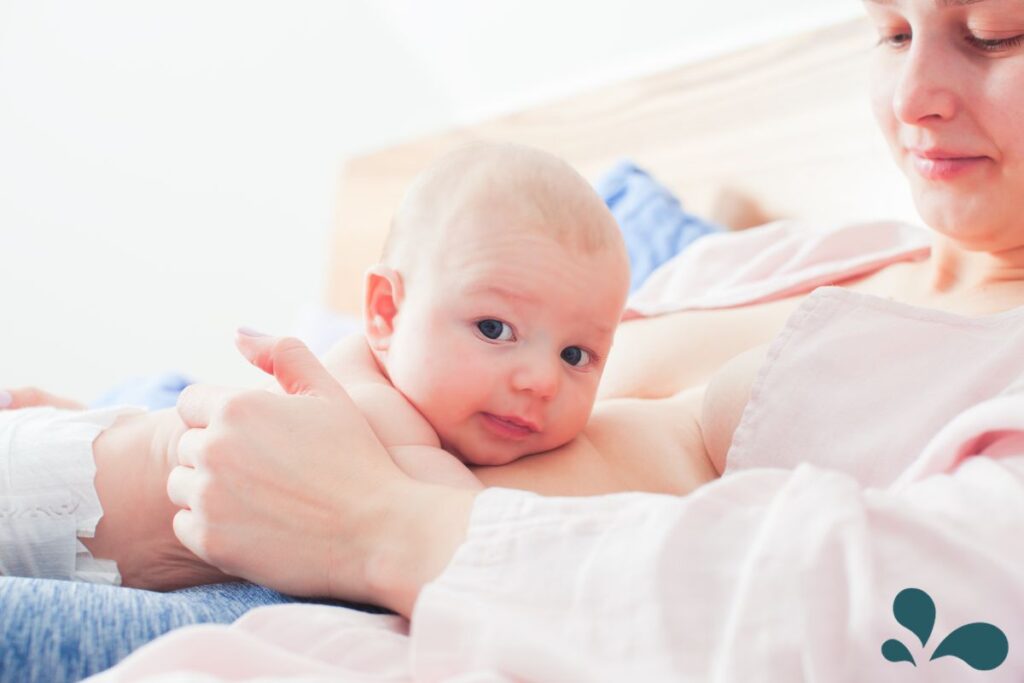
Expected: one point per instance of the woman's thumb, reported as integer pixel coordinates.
(290, 361)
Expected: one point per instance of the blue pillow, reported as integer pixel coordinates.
(152, 392)
(653, 222)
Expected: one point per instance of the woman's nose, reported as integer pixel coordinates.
(540, 377)
(927, 84)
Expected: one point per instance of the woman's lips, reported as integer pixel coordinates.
(939, 168)
(507, 428)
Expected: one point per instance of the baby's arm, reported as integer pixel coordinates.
(435, 465)
(408, 437)
(669, 445)
(654, 445)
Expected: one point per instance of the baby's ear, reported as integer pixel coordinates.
(383, 297)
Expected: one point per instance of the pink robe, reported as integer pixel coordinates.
(882, 449)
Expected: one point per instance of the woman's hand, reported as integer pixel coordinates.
(296, 492)
(32, 397)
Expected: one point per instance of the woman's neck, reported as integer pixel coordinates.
(956, 271)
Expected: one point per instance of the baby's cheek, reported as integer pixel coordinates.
(446, 395)
(572, 416)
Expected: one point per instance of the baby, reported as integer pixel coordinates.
(487, 325)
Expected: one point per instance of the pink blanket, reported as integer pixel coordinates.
(884, 458)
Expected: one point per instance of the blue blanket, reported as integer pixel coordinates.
(654, 224)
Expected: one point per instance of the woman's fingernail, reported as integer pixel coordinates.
(5, 399)
(249, 332)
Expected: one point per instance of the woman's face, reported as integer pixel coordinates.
(948, 92)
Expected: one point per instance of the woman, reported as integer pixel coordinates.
(802, 587)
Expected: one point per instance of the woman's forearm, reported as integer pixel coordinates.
(413, 543)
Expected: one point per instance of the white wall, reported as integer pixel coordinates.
(167, 169)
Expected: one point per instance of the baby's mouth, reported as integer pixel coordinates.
(508, 426)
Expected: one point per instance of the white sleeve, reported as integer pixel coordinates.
(765, 575)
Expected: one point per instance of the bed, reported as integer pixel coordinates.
(782, 129)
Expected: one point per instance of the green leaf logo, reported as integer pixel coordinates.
(895, 651)
(914, 609)
(981, 646)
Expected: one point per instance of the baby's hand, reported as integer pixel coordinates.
(133, 460)
(32, 397)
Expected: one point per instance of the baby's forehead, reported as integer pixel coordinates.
(527, 275)
(506, 217)
(520, 254)
(571, 311)
(491, 201)
(510, 250)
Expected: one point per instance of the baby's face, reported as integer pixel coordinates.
(502, 345)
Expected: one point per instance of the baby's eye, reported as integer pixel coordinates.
(495, 329)
(575, 356)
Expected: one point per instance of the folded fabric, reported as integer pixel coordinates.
(852, 382)
(654, 224)
(774, 261)
(47, 497)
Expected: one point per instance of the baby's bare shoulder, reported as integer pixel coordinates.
(394, 420)
(351, 361)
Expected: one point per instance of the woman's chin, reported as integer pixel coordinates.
(972, 233)
(970, 219)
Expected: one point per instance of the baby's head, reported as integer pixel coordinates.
(495, 304)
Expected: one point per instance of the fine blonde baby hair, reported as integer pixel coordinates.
(543, 188)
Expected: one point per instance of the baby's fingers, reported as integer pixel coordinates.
(33, 397)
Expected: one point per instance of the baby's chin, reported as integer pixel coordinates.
(496, 454)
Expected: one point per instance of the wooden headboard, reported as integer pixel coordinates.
(786, 124)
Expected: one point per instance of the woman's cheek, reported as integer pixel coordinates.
(1001, 123)
(881, 95)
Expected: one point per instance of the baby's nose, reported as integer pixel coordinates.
(539, 377)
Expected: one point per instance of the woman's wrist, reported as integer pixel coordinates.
(415, 540)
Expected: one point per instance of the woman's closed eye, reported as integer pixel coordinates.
(900, 39)
(994, 44)
(495, 330)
